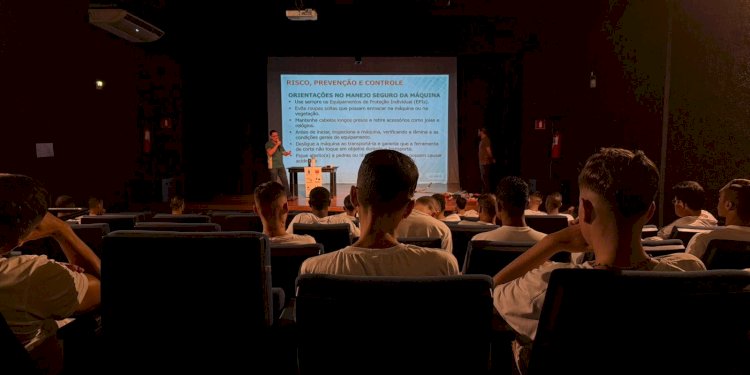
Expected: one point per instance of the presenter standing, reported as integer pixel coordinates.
(486, 161)
(276, 152)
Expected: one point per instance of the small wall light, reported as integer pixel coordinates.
(99, 84)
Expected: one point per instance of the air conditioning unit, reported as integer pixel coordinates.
(125, 25)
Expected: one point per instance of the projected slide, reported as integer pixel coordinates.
(340, 118)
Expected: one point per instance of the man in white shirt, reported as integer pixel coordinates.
(35, 291)
(350, 212)
(512, 195)
(534, 202)
(487, 206)
(320, 200)
(734, 206)
(688, 203)
(617, 190)
(272, 207)
(386, 182)
(421, 223)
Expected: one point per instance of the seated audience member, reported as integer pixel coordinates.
(688, 203)
(532, 207)
(96, 206)
(272, 207)
(65, 201)
(440, 200)
(734, 206)
(422, 222)
(177, 204)
(617, 190)
(553, 204)
(460, 209)
(350, 211)
(320, 200)
(486, 204)
(512, 195)
(385, 187)
(35, 291)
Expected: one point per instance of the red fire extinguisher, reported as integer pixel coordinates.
(147, 141)
(556, 145)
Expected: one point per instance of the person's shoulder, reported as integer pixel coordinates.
(679, 262)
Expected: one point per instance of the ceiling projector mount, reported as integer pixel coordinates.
(308, 14)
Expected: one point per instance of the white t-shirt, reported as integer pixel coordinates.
(509, 233)
(520, 301)
(35, 292)
(419, 224)
(698, 244)
(292, 239)
(533, 212)
(310, 218)
(470, 213)
(705, 219)
(399, 260)
(452, 217)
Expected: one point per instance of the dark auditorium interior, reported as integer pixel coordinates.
(672, 79)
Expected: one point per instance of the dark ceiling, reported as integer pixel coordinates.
(364, 27)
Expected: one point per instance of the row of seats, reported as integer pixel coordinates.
(202, 301)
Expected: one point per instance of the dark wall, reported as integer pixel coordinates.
(50, 58)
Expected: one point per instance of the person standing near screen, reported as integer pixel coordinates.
(486, 161)
(276, 152)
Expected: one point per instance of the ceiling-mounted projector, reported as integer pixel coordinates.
(308, 14)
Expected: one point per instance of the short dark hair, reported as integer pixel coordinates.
(267, 193)
(386, 179)
(487, 202)
(628, 180)
(348, 205)
(320, 198)
(553, 202)
(460, 202)
(94, 202)
(65, 201)
(513, 194)
(691, 193)
(176, 203)
(440, 199)
(273, 131)
(23, 204)
(740, 188)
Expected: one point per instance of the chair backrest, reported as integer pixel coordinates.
(489, 257)
(635, 322)
(663, 247)
(332, 236)
(15, 358)
(547, 223)
(430, 242)
(649, 230)
(92, 235)
(727, 254)
(177, 227)
(469, 218)
(219, 216)
(178, 301)
(242, 222)
(685, 233)
(461, 235)
(286, 260)
(376, 324)
(115, 221)
(186, 218)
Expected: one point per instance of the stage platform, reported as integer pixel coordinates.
(299, 203)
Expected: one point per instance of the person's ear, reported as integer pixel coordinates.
(588, 211)
(285, 208)
(729, 205)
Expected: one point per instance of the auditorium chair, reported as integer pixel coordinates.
(185, 218)
(387, 325)
(332, 236)
(92, 235)
(727, 254)
(242, 222)
(115, 221)
(663, 247)
(286, 260)
(546, 223)
(489, 257)
(177, 226)
(649, 230)
(685, 233)
(643, 322)
(429, 242)
(186, 302)
(462, 234)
